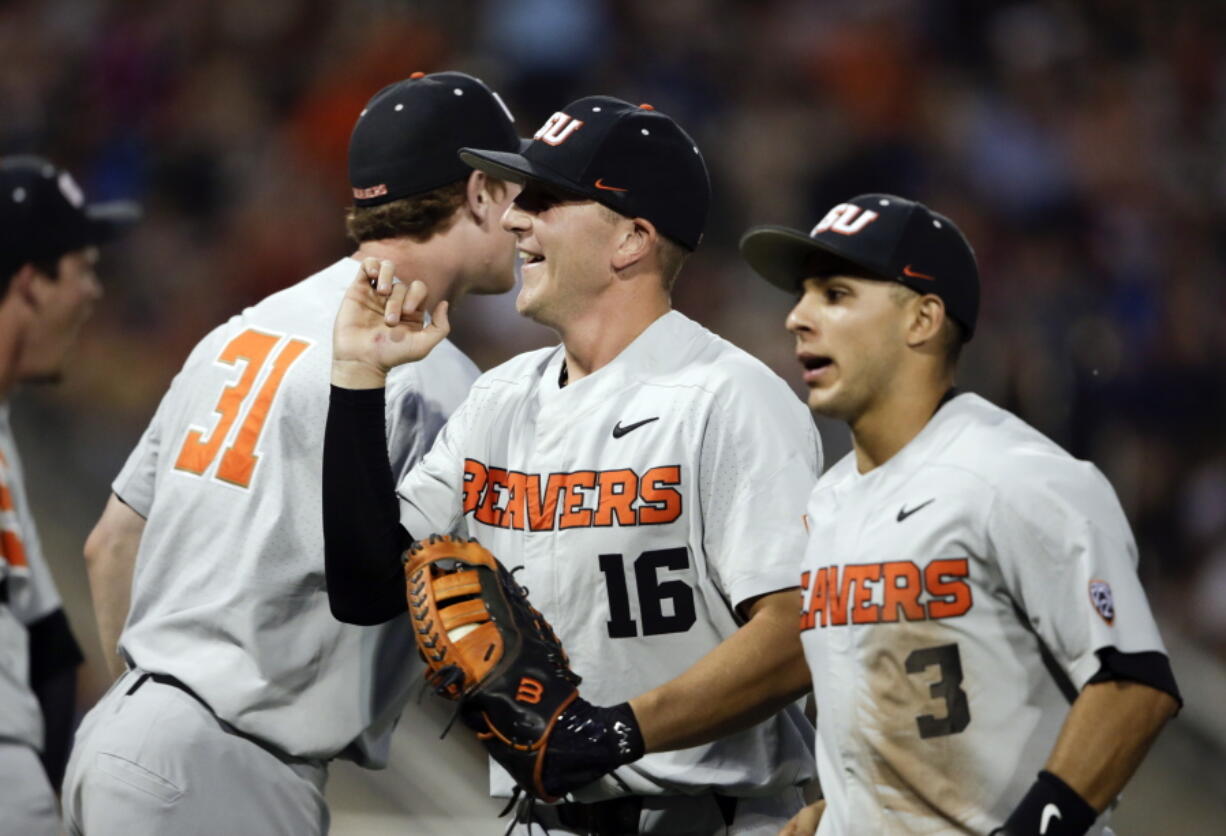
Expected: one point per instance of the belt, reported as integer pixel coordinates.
(620, 816)
(165, 679)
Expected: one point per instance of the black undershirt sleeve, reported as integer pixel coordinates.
(363, 538)
(54, 659)
(1149, 668)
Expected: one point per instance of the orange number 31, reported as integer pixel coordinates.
(239, 459)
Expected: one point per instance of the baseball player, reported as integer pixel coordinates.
(647, 475)
(48, 251)
(239, 685)
(972, 615)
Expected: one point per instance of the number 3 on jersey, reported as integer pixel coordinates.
(239, 459)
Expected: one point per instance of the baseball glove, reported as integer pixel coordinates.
(487, 647)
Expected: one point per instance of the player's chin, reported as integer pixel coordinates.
(824, 400)
(526, 302)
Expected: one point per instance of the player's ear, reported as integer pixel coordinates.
(927, 318)
(27, 286)
(478, 199)
(636, 239)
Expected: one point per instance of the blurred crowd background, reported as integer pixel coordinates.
(1080, 145)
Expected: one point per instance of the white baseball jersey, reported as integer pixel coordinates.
(228, 594)
(955, 598)
(31, 591)
(645, 502)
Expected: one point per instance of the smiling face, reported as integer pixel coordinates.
(850, 339)
(62, 305)
(566, 244)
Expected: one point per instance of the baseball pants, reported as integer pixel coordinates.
(678, 815)
(150, 759)
(28, 807)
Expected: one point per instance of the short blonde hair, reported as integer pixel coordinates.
(670, 256)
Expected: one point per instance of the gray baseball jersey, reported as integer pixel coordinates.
(28, 803)
(645, 502)
(955, 598)
(31, 592)
(228, 593)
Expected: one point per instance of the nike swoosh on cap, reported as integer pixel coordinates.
(600, 184)
(915, 274)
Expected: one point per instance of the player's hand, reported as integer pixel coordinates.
(380, 325)
(806, 821)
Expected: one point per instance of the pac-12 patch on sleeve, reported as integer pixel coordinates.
(1100, 597)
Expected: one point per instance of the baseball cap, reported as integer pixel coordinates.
(631, 158)
(44, 214)
(406, 138)
(880, 236)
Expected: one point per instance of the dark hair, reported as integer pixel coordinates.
(48, 266)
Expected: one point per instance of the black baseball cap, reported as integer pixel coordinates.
(406, 138)
(880, 236)
(44, 214)
(632, 158)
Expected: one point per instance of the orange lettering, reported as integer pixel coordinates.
(905, 594)
(863, 612)
(836, 597)
(542, 510)
(488, 512)
(662, 500)
(817, 598)
(238, 463)
(475, 476)
(937, 576)
(196, 454)
(574, 515)
(618, 489)
(11, 548)
(513, 516)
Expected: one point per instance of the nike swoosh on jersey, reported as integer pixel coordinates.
(619, 430)
(1051, 811)
(903, 513)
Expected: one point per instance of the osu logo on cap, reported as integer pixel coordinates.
(557, 129)
(845, 219)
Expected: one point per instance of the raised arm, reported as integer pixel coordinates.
(378, 327)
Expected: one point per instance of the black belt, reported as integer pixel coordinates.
(163, 679)
(620, 816)
(166, 679)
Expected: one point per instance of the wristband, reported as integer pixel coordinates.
(1050, 808)
(624, 729)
